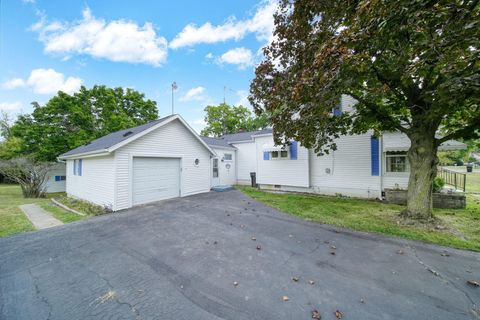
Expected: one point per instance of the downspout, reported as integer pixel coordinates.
(381, 167)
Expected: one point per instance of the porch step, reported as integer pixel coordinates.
(222, 188)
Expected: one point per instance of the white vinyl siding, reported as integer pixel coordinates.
(97, 182)
(226, 168)
(52, 185)
(282, 171)
(347, 170)
(170, 140)
(155, 179)
(246, 161)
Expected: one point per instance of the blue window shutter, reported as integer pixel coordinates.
(375, 153)
(337, 110)
(266, 155)
(74, 167)
(57, 178)
(293, 150)
(80, 167)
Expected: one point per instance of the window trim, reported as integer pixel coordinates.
(279, 155)
(390, 155)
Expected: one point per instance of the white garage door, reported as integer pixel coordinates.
(155, 179)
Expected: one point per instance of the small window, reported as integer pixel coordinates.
(397, 162)
(284, 154)
(227, 156)
(77, 167)
(60, 178)
(274, 154)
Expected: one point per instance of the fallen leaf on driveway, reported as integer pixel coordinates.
(362, 300)
(333, 253)
(296, 279)
(259, 247)
(338, 314)
(316, 314)
(285, 298)
(235, 283)
(445, 254)
(473, 283)
(253, 238)
(400, 252)
(333, 247)
(311, 282)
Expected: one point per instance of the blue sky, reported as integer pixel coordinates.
(53, 45)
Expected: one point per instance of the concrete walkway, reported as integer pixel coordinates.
(40, 218)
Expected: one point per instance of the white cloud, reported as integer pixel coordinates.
(13, 84)
(209, 55)
(8, 106)
(243, 99)
(46, 81)
(239, 56)
(117, 40)
(261, 24)
(194, 94)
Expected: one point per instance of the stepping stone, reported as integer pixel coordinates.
(40, 218)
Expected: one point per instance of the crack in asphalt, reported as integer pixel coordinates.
(473, 306)
(41, 297)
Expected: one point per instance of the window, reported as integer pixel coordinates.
(397, 162)
(227, 156)
(215, 168)
(280, 154)
(60, 178)
(77, 167)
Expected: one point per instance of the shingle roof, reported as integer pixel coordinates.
(112, 139)
(216, 142)
(227, 139)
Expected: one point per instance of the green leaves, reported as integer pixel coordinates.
(412, 65)
(66, 121)
(225, 119)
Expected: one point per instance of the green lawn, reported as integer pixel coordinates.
(462, 226)
(12, 219)
(473, 178)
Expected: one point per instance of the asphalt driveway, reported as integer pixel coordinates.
(197, 258)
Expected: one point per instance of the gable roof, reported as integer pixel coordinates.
(114, 140)
(227, 139)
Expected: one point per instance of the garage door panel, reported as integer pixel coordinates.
(155, 179)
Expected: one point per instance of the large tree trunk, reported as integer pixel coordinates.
(423, 169)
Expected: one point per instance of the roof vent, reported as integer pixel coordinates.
(126, 134)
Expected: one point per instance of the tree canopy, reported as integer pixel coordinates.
(224, 119)
(68, 121)
(412, 65)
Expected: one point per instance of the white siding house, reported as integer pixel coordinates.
(56, 179)
(156, 161)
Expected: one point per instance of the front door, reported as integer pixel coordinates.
(215, 173)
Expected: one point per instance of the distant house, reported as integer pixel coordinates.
(166, 158)
(56, 180)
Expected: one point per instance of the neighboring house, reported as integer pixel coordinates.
(56, 180)
(159, 160)
(166, 158)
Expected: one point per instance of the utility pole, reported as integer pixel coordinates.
(174, 87)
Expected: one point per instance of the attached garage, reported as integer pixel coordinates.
(159, 160)
(155, 179)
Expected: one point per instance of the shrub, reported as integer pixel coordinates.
(438, 184)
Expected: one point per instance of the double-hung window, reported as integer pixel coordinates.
(397, 162)
(77, 167)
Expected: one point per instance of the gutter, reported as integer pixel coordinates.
(95, 153)
(381, 167)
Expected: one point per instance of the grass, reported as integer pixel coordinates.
(473, 178)
(462, 227)
(13, 220)
(81, 206)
